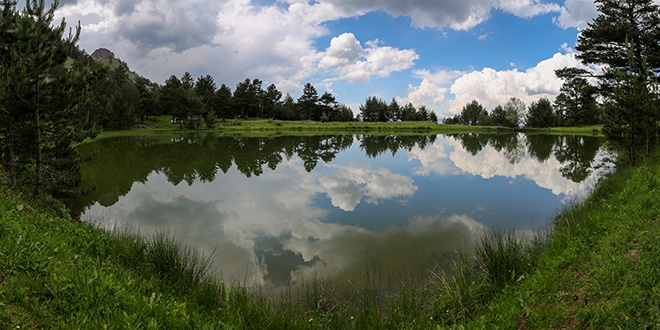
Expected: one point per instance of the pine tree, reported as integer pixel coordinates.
(41, 99)
(624, 39)
(623, 29)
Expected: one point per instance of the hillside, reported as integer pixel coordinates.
(107, 57)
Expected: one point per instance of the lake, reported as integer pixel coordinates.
(276, 210)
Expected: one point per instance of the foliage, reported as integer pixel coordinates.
(471, 113)
(541, 114)
(631, 114)
(576, 104)
(515, 111)
(623, 38)
(474, 113)
(43, 102)
(377, 110)
(623, 29)
(222, 103)
(308, 103)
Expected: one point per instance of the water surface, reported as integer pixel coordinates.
(276, 210)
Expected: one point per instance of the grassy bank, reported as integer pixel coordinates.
(582, 130)
(602, 267)
(265, 127)
(598, 269)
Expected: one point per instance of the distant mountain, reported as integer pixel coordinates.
(105, 56)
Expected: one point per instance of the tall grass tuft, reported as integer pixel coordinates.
(504, 257)
(179, 265)
(460, 288)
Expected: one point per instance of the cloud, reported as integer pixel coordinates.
(177, 25)
(491, 87)
(576, 14)
(229, 40)
(430, 91)
(351, 61)
(236, 39)
(489, 163)
(427, 93)
(343, 251)
(434, 159)
(527, 8)
(344, 50)
(351, 183)
(458, 15)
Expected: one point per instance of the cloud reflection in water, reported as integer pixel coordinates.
(275, 226)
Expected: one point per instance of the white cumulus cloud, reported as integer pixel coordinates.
(491, 87)
(351, 61)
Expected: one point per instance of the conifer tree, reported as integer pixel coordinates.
(624, 39)
(41, 99)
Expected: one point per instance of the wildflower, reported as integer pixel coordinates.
(352, 317)
(431, 318)
(447, 311)
(310, 319)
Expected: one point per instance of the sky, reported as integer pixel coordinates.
(438, 53)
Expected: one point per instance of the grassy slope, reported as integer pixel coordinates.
(602, 266)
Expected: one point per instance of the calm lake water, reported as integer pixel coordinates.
(277, 210)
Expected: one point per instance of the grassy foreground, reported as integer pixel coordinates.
(600, 268)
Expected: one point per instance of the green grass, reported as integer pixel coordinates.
(158, 125)
(267, 127)
(598, 268)
(602, 267)
(581, 130)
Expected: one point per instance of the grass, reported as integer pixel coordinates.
(266, 127)
(160, 125)
(601, 267)
(598, 268)
(581, 130)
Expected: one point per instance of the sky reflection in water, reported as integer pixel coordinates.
(402, 210)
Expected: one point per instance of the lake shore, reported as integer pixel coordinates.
(598, 268)
(265, 127)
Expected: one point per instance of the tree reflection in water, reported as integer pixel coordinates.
(289, 206)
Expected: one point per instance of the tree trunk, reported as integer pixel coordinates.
(10, 152)
(38, 155)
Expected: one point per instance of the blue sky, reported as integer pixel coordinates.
(441, 54)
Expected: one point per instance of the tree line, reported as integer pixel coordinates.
(623, 40)
(192, 157)
(576, 105)
(193, 103)
(54, 95)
